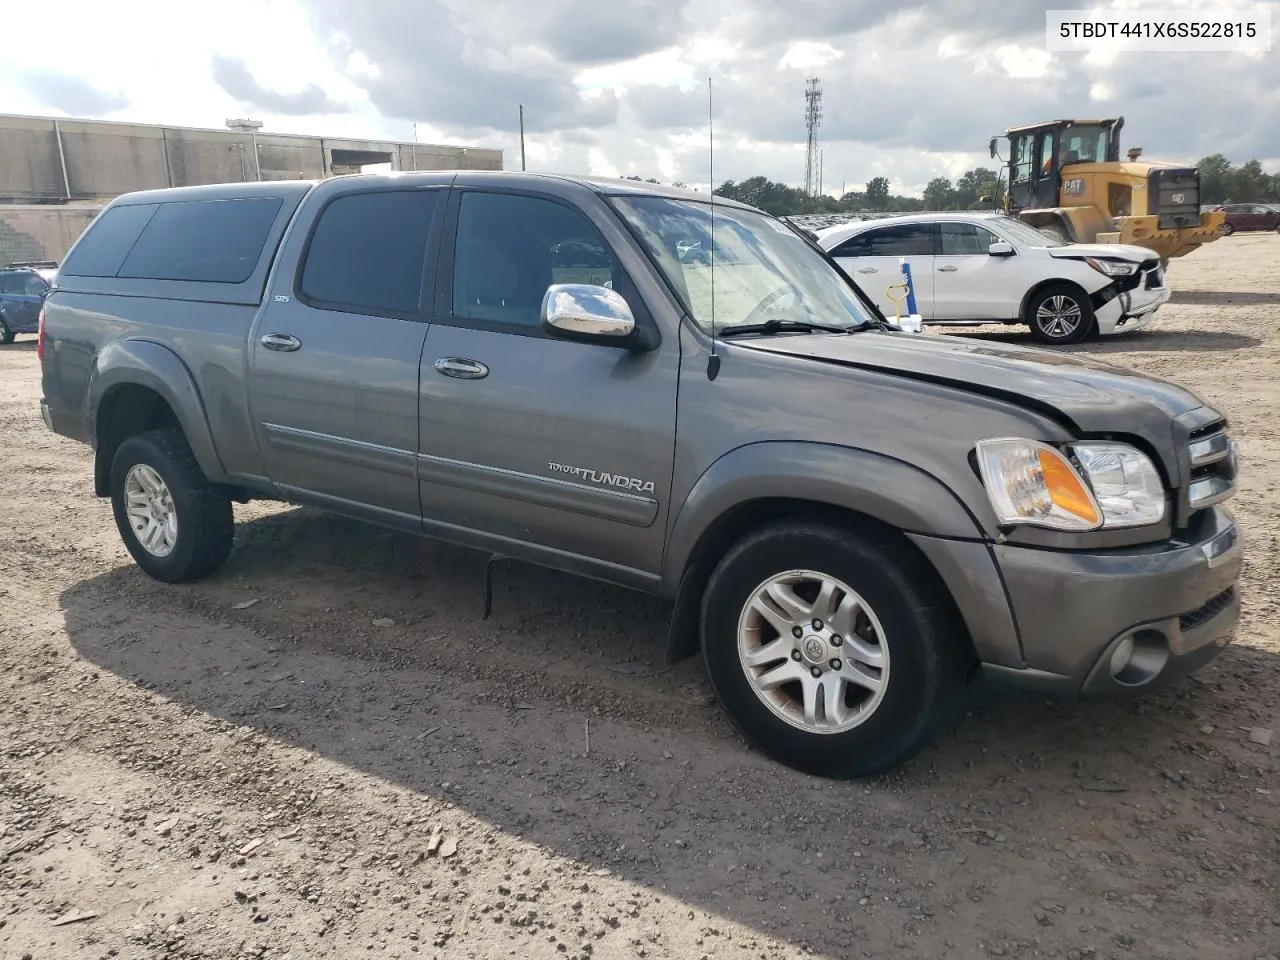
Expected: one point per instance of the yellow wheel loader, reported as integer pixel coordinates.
(1066, 178)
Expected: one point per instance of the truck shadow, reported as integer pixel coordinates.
(1140, 341)
(1221, 298)
(668, 796)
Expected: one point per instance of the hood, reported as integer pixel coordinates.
(1091, 396)
(1122, 251)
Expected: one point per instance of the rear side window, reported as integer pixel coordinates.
(108, 241)
(206, 241)
(8, 282)
(902, 240)
(368, 252)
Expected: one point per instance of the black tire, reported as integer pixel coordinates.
(6, 335)
(204, 520)
(928, 662)
(1042, 329)
(1228, 229)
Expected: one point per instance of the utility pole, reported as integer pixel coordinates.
(812, 120)
(522, 136)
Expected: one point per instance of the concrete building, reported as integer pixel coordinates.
(55, 173)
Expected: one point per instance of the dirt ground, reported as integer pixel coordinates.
(255, 766)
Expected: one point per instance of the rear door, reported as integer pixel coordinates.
(335, 353)
(969, 283)
(872, 259)
(556, 450)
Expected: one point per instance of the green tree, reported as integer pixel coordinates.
(878, 193)
(939, 194)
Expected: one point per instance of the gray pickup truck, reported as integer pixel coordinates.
(641, 386)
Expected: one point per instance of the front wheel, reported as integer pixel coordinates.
(1060, 314)
(6, 335)
(832, 651)
(1228, 229)
(176, 524)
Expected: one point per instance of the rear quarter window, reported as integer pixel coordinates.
(102, 249)
(209, 241)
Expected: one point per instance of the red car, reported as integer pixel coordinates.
(1250, 216)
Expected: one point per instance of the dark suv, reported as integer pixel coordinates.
(23, 287)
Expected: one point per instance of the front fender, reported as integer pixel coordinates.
(889, 490)
(145, 363)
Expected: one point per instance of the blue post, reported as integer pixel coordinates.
(911, 321)
(912, 309)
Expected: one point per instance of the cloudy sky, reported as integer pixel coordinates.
(911, 91)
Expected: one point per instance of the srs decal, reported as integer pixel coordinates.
(607, 479)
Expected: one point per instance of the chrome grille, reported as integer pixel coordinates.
(1212, 456)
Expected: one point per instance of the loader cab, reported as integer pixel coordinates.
(1039, 152)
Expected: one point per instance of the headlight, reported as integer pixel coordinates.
(1112, 268)
(1124, 481)
(1033, 483)
(1030, 482)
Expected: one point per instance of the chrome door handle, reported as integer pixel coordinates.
(866, 269)
(461, 367)
(948, 269)
(281, 341)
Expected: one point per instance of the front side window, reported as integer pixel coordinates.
(761, 269)
(964, 239)
(368, 252)
(1024, 233)
(510, 248)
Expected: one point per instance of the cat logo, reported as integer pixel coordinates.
(1073, 187)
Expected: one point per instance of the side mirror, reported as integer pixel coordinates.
(587, 312)
(1000, 249)
(992, 147)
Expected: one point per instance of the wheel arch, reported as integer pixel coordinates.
(770, 481)
(1042, 285)
(140, 385)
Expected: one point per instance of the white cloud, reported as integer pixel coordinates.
(912, 91)
(808, 55)
(1024, 63)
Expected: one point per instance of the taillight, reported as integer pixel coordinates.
(40, 336)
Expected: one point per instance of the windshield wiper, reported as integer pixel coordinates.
(784, 326)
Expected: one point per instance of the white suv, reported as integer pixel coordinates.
(974, 268)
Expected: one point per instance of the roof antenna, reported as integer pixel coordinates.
(713, 360)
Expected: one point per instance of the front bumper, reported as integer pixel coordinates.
(1123, 622)
(1131, 309)
(1112, 623)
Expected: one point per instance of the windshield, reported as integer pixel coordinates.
(763, 271)
(1024, 233)
(1084, 143)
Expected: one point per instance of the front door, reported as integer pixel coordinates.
(968, 282)
(873, 257)
(335, 364)
(555, 450)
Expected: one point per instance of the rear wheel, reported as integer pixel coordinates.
(1228, 229)
(831, 650)
(6, 335)
(174, 522)
(1060, 314)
